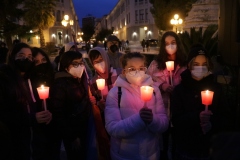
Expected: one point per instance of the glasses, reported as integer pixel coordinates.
(37, 62)
(75, 64)
(133, 71)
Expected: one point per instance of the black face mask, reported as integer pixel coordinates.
(40, 69)
(23, 64)
(114, 48)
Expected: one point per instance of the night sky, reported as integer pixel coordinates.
(97, 8)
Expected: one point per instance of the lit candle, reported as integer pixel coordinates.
(146, 93)
(207, 97)
(101, 84)
(43, 93)
(170, 65)
(170, 68)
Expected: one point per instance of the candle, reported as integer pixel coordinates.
(100, 84)
(170, 65)
(146, 93)
(207, 97)
(43, 93)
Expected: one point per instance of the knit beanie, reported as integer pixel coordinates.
(195, 50)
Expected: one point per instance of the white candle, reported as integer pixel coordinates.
(170, 65)
(100, 84)
(170, 68)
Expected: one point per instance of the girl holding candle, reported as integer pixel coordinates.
(71, 108)
(194, 126)
(18, 110)
(41, 73)
(100, 62)
(134, 129)
(171, 49)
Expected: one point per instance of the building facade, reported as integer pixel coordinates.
(59, 34)
(131, 20)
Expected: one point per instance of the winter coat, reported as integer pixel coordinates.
(70, 105)
(161, 78)
(16, 113)
(131, 138)
(186, 106)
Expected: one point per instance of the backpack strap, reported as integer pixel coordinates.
(119, 96)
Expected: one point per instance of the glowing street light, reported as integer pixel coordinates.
(65, 22)
(145, 29)
(176, 21)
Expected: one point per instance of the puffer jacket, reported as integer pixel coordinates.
(161, 78)
(131, 138)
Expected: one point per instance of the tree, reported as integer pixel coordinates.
(206, 38)
(10, 15)
(163, 11)
(39, 14)
(88, 31)
(103, 34)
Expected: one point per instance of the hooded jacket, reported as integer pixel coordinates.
(131, 138)
(109, 75)
(186, 106)
(161, 78)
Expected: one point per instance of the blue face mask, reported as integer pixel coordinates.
(199, 71)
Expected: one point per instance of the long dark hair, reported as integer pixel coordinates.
(12, 53)
(162, 57)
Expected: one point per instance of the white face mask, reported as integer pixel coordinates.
(100, 67)
(171, 48)
(199, 71)
(137, 79)
(77, 72)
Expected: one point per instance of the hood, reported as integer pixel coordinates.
(68, 46)
(122, 82)
(62, 74)
(106, 60)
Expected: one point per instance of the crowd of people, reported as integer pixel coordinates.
(113, 123)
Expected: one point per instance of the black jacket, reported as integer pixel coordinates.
(15, 108)
(186, 106)
(70, 104)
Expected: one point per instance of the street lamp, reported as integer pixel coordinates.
(145, 29)
(65, 22)
(176, 21)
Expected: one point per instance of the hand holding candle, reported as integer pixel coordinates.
(101, 84)
(170, 68)
(207, 97)
(43, 93)
(146, 93)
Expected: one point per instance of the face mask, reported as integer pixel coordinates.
(114, 48)
(171, 49)
(41, 68)
(100, 67)
(77, 72)
(23, 64)
(137, 79)
(199, 71)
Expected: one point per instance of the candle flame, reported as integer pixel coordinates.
(42, 86)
